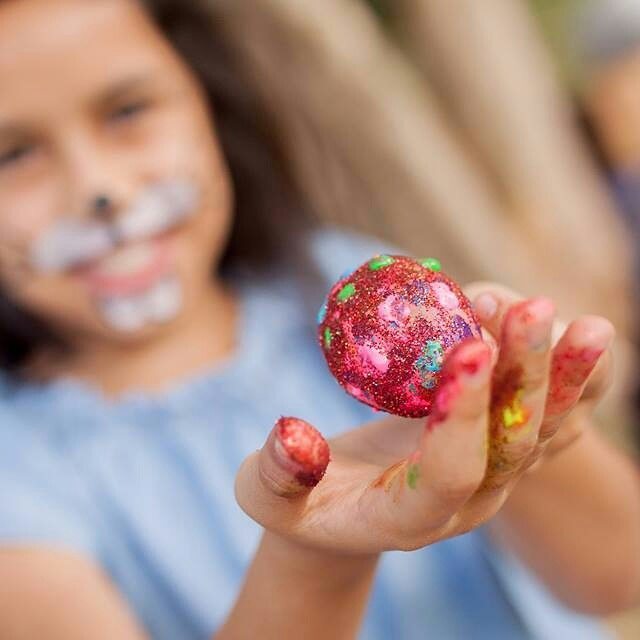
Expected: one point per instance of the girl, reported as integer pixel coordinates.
(136, 381)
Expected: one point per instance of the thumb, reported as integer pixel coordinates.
(292, 461)
(294, 457)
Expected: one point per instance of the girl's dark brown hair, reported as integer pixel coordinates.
(267, 206)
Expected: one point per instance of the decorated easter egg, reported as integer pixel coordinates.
(386, 327)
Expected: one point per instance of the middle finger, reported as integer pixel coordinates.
(519, 388)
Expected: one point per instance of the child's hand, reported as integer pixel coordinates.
(489, 423)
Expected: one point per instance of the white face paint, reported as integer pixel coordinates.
(158, 304)
(71, 242)
(116, 252)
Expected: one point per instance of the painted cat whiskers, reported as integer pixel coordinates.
(126, 266)
(71, 242)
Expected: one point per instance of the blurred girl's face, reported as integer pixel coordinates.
(114, 200)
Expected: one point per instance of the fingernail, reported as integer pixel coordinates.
(485, 306)
(537, 317)
(301, 448)
(600, 333)
(539, 335)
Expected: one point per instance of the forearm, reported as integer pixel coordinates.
(575, 522)
(292, 592)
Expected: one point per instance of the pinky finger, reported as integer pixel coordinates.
(574, 359)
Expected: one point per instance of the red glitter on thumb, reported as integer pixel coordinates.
(294, 458)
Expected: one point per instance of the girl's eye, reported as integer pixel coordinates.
(13, 155)
(127, 111)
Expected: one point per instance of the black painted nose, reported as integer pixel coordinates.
(101, 204)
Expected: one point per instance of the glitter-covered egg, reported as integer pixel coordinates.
(386, 327)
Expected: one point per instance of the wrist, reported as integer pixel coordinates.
(290, 587)
(322, 567)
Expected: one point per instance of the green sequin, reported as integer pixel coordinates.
(346, 292)
(431, 263)
(380, 261)
(413, 473)
(328, 337)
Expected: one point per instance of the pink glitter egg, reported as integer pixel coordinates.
(386, 327)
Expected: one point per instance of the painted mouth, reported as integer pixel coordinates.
(135, 286)
(157, 304)
(129, 270)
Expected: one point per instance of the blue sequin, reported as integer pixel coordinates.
(322, 313)
(431, 358)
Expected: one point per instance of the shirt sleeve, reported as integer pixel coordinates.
(42, 501)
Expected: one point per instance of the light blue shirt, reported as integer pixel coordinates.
(144, 486)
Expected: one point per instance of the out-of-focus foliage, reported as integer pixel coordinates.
(557, 20)
(381, 7)
(554, 17)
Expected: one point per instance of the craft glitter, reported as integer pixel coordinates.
(305, 447)
(387, 328)
(514, 415)
(413, 473)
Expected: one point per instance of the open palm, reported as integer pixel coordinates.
(404, 484)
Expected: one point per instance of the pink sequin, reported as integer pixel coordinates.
(374, 357)
(446, 297)
(394, 309)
